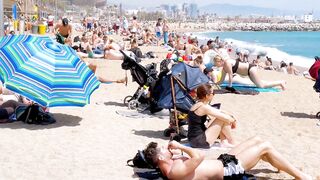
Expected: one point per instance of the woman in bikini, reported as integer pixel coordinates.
(220, 124)
(243, 69)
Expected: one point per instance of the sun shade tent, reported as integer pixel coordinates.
(183, 79)
(173, 89)
(44, 71)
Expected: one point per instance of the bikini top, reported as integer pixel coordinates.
(196, 124)
(235, 66)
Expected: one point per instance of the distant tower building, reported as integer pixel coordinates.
(185, 8)
(166, 8)
(174, 10)
(193, 10)
(308, 18)
(120, 9)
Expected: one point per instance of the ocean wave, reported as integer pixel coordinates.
(272, 51)
(260, 48)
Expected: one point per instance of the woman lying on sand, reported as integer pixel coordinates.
(243, 69)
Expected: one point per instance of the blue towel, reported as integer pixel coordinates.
(240, 87)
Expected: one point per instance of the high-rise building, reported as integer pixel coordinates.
(193, 10)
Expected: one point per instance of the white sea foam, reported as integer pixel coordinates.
(273, 52)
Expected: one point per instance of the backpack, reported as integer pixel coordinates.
(139, 161)
(315, 68)
(33, 114)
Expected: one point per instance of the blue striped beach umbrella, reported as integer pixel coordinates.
(44, 71)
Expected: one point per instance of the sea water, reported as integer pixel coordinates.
(297, 47)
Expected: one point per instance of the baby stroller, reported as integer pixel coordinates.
(314, 72)
(146, 77)
(172, 91)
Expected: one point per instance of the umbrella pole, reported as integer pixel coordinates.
(174, 104)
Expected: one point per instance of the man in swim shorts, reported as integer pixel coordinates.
(239, 159)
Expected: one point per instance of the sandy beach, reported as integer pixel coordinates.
(94, 142)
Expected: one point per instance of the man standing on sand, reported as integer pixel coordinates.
(241, 158)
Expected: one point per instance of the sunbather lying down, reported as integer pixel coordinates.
(241, 158)
(93, 67)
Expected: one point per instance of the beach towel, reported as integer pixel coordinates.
(238, 91)
(243, 87)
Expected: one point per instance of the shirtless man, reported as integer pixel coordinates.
(65, 30)
(292, 70)
(192, 48)
(242, 157)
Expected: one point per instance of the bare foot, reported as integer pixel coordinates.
(226, 144)
(283, 85)
(124, 80)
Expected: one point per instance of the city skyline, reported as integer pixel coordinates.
(307, 5)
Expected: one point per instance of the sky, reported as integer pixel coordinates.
(308, 5)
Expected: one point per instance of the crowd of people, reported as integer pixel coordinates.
(96, 42)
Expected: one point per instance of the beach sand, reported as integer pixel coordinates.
(94, 142)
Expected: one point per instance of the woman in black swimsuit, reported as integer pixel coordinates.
(244, 69)
(220, 124)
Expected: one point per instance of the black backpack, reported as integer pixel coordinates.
(139, 161)
(33, 114)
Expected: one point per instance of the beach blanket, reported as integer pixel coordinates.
(239, 91)
(244, 87)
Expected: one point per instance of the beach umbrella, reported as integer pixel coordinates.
(44, 71)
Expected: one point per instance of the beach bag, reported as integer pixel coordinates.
(139, 161)
(315, 68)
(146, 171)
(150, 54)
(33, 114)
(60, 39)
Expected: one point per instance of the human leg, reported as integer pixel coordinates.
(113, 55)
(245, 145)
(216, 128)
(106, 80)
(254, 77)
(250, 156)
